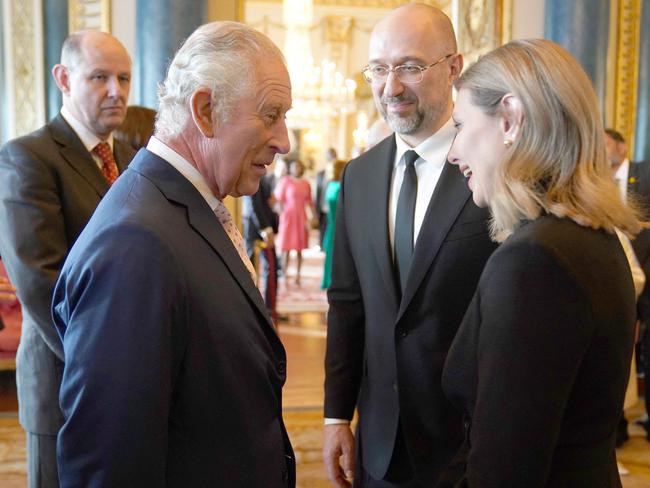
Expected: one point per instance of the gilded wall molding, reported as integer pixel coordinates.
(24, 65)
(627, 68)
(388, 4)
(89, 14)
(482, 26)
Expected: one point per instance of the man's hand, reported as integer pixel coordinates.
(339, 443)
(267, 237)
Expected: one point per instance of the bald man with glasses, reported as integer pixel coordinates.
(409, 248)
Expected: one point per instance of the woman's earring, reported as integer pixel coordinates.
(507, 143)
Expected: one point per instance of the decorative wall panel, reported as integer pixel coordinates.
(89, 14)
(23, 55)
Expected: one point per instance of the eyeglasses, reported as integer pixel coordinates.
(406, 73)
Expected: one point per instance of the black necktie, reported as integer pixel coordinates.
(404, 218)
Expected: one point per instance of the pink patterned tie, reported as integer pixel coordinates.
(109, 168)
(231, 229)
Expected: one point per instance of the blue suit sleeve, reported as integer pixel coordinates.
(121, 310)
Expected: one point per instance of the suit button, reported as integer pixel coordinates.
(282, 367)
(395, 386)
(402, 332)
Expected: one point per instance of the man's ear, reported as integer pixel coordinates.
(201, 108)
(456, 67)
(512, 116)
(61, 77)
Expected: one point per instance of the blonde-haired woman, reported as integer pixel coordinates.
(540, 363)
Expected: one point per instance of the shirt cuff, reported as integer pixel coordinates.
(337, 422)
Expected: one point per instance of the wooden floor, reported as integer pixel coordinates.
(304, 337)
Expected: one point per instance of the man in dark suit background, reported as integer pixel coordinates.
(260, 224)
(173, 370)
(633, 178)
(322, 179)
(51, 181)
(409, 248)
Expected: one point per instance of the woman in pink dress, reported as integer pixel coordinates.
(293, 193)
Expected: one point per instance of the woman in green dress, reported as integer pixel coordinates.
(331, 197)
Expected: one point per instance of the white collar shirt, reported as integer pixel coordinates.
(88, 139)
(432, 154)
(190, 173)
(622, 175)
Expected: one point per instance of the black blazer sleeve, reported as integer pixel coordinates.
(346, 322)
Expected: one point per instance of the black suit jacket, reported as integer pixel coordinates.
(541, 361)
(174, 371)
(49, 187)
(385, 356)
(638, 184)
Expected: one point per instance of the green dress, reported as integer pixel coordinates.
(331, 197)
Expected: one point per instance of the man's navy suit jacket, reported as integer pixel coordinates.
(173, 371)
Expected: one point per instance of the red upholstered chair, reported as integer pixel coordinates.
(10, 335)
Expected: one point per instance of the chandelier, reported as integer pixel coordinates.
(319, 91)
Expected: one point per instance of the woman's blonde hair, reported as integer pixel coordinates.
(557, 164)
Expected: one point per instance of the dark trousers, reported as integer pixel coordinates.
(268, 270)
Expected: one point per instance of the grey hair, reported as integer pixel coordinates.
(219, 56)
(71, 49)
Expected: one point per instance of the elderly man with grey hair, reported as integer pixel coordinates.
(173, 370)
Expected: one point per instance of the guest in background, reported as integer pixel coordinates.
(51, 182)
(293, 194)
(137, 127)
(260, 224)
(331, 197)
(320, 201)
(633, 180)
(540, 363)
(173, 370)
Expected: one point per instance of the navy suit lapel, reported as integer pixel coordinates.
(378, 218)
(201, 218)
(448, 199)
(77, 156)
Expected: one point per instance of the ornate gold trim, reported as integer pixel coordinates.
(506, 21)
(627, 68)
(388, 4)
(89, 14)
(24, 65)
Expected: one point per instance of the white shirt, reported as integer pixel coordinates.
(621, 175)
(432, 154)
(192, 175)
(88, 139)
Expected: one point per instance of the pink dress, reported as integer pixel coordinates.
(293, 194)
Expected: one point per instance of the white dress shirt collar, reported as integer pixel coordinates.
(431, 148)
(88, 139)
(161, 149)
(622, 175)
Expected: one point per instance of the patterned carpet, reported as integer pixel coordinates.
(308, 296)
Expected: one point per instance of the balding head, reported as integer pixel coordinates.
(420, 35)
(418, 23)
(94, 77)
